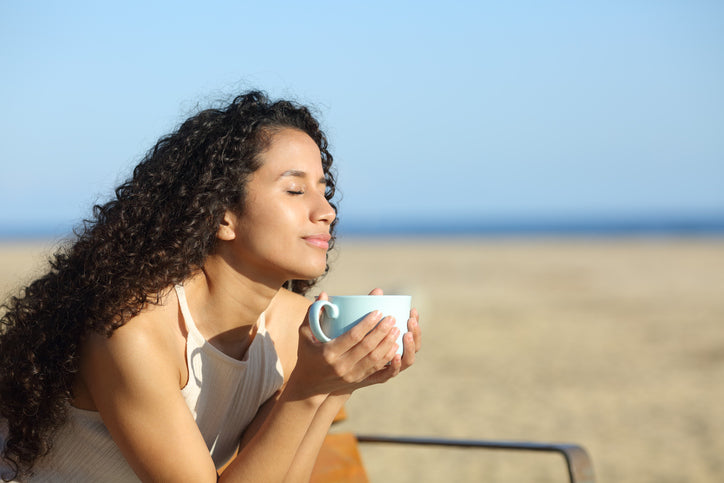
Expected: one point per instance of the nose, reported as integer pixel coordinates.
(323, 211)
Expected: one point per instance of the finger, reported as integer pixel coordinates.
(374, 351)
(392, 369)
(376, 343)
(376, 291)
(414, 314)
(305, 322)
(409, 350)
(305, 334)
(386, 350)
(321, 296)
(370, 323)
(396, 364)
(413, 326)
(305, 329)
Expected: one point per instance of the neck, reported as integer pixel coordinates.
(227, 304)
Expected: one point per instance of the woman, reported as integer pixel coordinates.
(162, 339)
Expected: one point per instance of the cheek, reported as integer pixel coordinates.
(271, 224)
(270, 230)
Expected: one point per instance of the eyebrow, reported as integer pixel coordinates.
(300, 174)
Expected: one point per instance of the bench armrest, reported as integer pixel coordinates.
(580, 469)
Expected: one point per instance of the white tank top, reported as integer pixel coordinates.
(222, 393)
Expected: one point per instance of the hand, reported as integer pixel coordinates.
(357, 358)
(411, 341)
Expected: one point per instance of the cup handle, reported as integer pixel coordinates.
(315, 311)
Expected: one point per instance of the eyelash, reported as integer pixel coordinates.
(292, 192)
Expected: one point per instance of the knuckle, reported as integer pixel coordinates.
(367, 344)
(357, 332)
(339, 371)
(328, 355)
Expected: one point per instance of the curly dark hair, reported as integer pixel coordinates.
(158, 229)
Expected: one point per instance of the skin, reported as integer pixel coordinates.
(134, 377)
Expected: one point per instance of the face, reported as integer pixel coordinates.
(283, 232)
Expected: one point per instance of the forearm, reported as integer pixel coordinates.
(270, 453)
(303, 463)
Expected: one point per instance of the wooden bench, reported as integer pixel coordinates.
(339, 459)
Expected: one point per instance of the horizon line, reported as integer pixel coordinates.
(591, 226)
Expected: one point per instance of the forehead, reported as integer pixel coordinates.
(290, 149)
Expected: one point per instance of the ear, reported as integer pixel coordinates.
(227, 227)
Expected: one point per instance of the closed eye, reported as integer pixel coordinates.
(292, 192)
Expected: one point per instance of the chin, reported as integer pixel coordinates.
(311, 273)
(314, 275)
(317, 273)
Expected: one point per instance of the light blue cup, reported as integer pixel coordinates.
(330, 319)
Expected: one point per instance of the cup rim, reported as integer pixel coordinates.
(366, 296)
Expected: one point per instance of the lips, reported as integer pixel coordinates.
(320, 241)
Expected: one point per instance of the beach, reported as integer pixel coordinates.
(615, 344)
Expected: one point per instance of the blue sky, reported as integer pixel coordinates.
(436, 111)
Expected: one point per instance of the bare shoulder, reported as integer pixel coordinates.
(151, 343)
(288, 306)
(154, 328)
(284, 316)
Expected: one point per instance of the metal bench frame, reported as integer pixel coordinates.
(580, 468)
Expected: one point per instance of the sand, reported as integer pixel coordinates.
(617, 345)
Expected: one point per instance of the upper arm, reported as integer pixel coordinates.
(133, 380)
(283, 319)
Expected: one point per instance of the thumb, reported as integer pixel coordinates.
(321, 296)
(305, 329)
